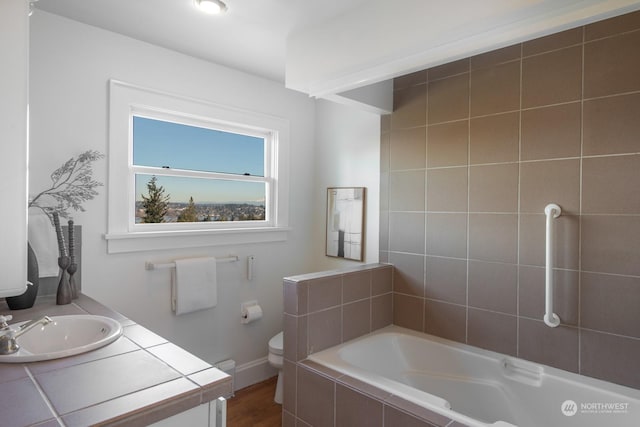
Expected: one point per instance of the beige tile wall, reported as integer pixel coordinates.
(471, 155)
(322, 310)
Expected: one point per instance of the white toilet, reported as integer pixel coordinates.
(275, 360)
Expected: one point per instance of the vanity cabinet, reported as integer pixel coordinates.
(212, 414)
(14, 56)
(138, 380)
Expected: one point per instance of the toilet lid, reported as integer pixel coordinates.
(275, 344)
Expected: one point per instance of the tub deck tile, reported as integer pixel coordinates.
(396, 417)
(418, 411)
(321, 369)
(364, 388)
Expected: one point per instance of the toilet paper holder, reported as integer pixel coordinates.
(250, 311)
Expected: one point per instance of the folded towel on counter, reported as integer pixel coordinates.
(194, 285)
(43, 240)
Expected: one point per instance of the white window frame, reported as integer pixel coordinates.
(171, 117)
(123, 235)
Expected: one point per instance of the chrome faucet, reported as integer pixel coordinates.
(8, 343)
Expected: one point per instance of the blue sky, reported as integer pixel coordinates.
(159, 143)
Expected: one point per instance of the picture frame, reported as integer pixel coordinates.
(345, 222)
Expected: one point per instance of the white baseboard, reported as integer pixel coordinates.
(253, 372)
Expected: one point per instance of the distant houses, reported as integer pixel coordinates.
(212, 212)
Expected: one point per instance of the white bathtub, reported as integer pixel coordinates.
(479, 387)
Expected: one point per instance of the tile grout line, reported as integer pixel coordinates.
(530, 213)
(468, 233)
(538, 107)
(552, 159)
(579, 302)
(573, 45)
(611, 95)
(307, 349)
(44, 397)
(518, 231)
(610, 334)
(610, 36)
(426, 204)
(535, 266)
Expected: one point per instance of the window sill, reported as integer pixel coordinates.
(179, 239)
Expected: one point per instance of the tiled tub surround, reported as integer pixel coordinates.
(322, 310)
(326, 309)
(473, 386)
(135, 381)
(471, 155)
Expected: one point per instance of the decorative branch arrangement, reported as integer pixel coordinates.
(72, 184)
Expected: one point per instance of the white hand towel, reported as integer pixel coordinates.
(195, 285)
(43, 240)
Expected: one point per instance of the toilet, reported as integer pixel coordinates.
(275, 360)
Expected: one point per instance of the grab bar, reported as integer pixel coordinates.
(550, 318)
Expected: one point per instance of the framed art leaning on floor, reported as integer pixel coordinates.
(345, 222)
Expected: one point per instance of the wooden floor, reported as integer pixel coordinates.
(253, 406)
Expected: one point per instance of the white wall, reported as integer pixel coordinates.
(71, 64)
(14, 42)
(347, 154)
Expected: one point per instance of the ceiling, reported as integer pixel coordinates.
(250, 36)
(331, 46)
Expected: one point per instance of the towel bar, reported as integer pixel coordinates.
(158, 266)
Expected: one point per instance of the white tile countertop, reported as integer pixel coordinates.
(137, 380)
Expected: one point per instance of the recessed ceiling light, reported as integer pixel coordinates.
(211, 6)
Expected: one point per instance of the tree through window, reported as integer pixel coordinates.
(186, 173)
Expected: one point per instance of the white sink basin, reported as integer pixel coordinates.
(64, 336)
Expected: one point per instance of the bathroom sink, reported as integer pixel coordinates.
(64, 336)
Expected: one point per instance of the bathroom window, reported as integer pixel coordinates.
(185, 173)
(198, 173)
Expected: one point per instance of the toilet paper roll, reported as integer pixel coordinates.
(251, 313)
